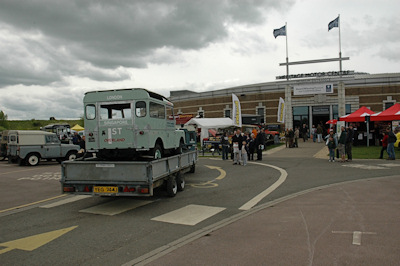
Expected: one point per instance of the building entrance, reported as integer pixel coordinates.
(320, 115)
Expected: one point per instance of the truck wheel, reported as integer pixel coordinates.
(157, 152)
(33, 159)
(180, 181)
(70, 156)
(172, 187)
(192, 168)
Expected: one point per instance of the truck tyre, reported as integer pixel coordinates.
(157, 152)
(172, 187)
(180, 181)
(71, 155)
(192, 168)
(33, 159)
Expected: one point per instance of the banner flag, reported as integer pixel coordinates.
(281, 111)
(334, 23)
(281, 31)
(237, 112)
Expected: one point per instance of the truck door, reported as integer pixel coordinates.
(115, 125)
(52, 147)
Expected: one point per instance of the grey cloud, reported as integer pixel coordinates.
(97, 39)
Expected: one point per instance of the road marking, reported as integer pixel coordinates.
(26, 170)
(210, 184)
(65, 201)
(356, 235)
(116, 206)
(43, 176)
(390, 165)
(365, 167)
(31, 243)
(250, 204)
(33, 203)
(189, 215)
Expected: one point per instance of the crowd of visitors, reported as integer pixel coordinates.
(243, 145)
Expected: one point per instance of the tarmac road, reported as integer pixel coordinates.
(310, 220)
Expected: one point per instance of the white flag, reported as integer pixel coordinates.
(281, 111)
(237, 112)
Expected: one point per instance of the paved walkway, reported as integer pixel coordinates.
(352, 223)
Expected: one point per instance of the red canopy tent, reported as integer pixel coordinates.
(390, 114)
(357, 116)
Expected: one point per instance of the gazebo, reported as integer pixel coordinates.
(358, 115)
(390, 114)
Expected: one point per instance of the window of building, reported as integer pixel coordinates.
(388, 105)
(261, 113)
(227, 113)
(300, 116)
(335, 110)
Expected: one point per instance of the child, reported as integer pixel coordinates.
(236, 153)
(244, 152)
(331, 147)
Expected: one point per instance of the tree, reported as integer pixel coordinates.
(3, 120)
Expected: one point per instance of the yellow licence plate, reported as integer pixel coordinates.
(105, 189)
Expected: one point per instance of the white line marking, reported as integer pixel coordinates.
(116, 206)
(357, 238)
(65, 201)
(363, 166)
(356, 235)
(189, 215)
(390, 165)
(259, 197)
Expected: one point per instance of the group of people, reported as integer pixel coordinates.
(292, 137)
(344, 144)
(388, 141)
(243, 146)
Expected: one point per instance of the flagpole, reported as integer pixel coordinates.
(287, 54)
(340, 48)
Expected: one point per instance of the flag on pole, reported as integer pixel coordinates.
(281, 31)
(237, 112)
(281, 111)
(334, 23)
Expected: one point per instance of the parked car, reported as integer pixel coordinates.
(29, 146)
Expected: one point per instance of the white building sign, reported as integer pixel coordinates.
(312, 89)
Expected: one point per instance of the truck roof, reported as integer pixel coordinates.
(123, 94)
(29, 132)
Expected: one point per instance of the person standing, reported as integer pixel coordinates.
(244, 152)
(349, 143)
(260, 142)
(331, 147)
(319, 133)
(225, 146)
(391, 140)
(237, 140)
(314, 133)
(252, 147)
(296, 137)
(342, 144)
(304, 132)
(384, 144)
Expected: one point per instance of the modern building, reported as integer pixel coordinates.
(309, 100)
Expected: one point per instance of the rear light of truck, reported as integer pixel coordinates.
(144, 190)
(69, 189)
(129, 189)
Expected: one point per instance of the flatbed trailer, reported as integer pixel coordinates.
(91, 176)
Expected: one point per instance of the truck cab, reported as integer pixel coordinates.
(129, 123)
(29, 146)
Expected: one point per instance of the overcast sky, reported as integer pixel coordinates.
(52, 52)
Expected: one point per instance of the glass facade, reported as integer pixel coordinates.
(300, 116)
